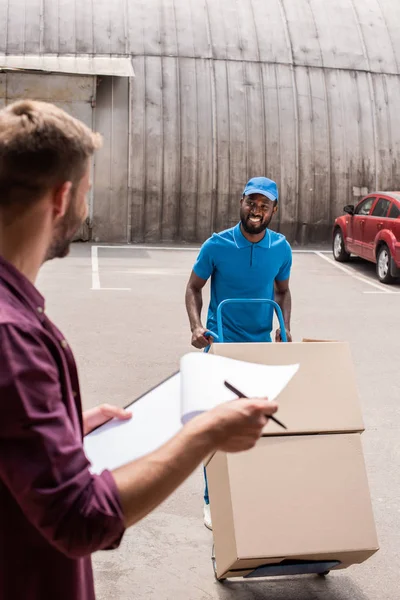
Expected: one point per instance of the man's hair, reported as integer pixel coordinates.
(41, 147)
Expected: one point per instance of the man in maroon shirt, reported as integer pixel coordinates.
(53, 512)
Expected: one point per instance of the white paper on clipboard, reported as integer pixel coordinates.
(156, 419)
(158, 415)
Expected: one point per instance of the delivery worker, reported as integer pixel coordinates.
(246, 261)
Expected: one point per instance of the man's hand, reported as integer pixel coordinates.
(237, 425)
(99, 415)
(198, 338)
(278, 335)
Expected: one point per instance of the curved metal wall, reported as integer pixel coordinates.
(305, 92)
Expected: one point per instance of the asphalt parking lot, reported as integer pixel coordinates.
(122, 310)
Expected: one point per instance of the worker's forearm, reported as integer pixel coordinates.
(284, 299)
(194, 305)
(147, 482)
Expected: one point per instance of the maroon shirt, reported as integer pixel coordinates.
(53, 512)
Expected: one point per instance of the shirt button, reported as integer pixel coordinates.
(74, 393)
(64, 344)
(40, 310)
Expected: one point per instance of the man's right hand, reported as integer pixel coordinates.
(198, 338)
(237, 425)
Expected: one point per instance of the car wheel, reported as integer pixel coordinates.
(383, 260)
(338, 248)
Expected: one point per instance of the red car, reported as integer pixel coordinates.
(371, 230)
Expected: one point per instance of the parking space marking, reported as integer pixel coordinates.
(95, 269)
(96, 283)
(378, 292)
(183, 248)
(378, 286)
(137, 247)
(155, 272)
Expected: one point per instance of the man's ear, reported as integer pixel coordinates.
(275, 209)
(61, 199)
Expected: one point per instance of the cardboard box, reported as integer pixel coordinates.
(301, 495)
(321, 398)
(304, 498)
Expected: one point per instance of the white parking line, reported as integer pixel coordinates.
(378, 286)
(136, 247)
(96, 274)
(154, 272)
(185, 249)
(377, 292)
(95, 269)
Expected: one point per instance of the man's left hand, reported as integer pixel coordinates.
(94, 417)
(278, 336)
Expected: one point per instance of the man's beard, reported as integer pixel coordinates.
(59, 248)
(254, 228)
(64, 234)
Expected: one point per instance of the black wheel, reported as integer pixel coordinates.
(324, 574)
(338, 248)
(383, 260)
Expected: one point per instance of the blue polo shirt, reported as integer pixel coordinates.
(240, 269)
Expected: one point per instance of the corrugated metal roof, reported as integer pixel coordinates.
(344, 34)
(83, 64)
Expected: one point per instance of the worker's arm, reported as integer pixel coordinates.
(45, 469)
(194, 305)
(232, 427)
(284, 299)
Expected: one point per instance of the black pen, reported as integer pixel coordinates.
(240, 395)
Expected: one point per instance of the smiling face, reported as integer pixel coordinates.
(256, 212)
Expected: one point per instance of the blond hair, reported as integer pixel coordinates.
(41, 147)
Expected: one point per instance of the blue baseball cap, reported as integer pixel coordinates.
(264, 186)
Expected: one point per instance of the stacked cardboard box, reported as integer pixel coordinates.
(300, 495)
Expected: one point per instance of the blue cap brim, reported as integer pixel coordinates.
(262, 192)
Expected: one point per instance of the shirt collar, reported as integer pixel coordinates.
(242, 242)
(22, 287)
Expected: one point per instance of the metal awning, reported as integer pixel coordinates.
(77, 64)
